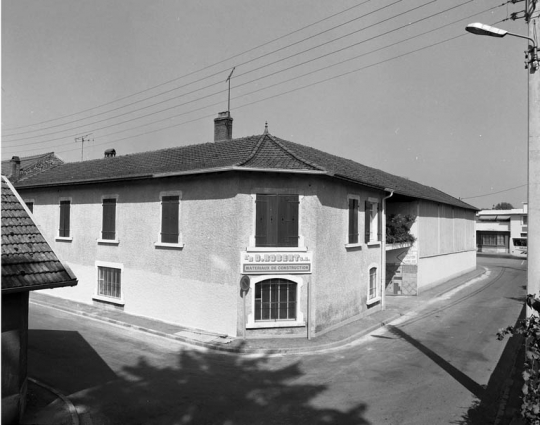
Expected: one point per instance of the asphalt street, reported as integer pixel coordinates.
(441, 365)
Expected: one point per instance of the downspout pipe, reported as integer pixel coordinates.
(383, 248)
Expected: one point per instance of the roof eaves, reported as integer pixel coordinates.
(72, 282)
(21, 185)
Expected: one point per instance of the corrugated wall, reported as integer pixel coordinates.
(444, 229)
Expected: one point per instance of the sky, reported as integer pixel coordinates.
(397, 85)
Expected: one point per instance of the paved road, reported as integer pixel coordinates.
(440, 366)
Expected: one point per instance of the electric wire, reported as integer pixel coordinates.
(277, 95)
(263, 77)
(275, 84)
(199, 70)
(494, 193)
(274, 96)
(215, 74)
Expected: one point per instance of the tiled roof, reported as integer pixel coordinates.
(31, 165)
(255, 152)
(28, 262)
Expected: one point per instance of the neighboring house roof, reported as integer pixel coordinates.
(31, 165)
(500, 213)
(255, 153)
(28, 262)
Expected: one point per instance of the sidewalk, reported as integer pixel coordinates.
(395, 308)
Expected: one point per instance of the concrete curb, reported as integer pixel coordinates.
(72, 410)
(224, 348)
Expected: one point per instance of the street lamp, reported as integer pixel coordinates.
(533, 174)
(483, 29)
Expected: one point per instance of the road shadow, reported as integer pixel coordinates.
(213, 388)
(454, 372)
(64, 359)
(487, 408)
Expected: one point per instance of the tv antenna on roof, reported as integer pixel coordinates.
(83, 139)
(229, 98)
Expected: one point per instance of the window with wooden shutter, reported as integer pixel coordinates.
(108, 230)
(353, 220)
(170, 208)
(276, 221)
(63, 230)
(367, 228)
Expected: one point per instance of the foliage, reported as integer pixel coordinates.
(503, 206)
(398, 228)
(530, 329)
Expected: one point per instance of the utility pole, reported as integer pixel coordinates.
(532, 15)
(83, 139)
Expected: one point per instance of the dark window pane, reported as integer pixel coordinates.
(275, 299)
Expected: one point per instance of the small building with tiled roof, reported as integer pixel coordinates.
(170, 233)
(19, 168)
(28, 264)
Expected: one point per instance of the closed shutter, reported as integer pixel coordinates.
(287, 221)
(64, 219)
(170, 206)
(367, 228)
(109, 219)
(261, 225)
(353, 220)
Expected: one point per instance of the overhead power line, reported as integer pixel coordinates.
(495, 193)
(198, 70)
(269, 97)
(216, 74)
(409, 24)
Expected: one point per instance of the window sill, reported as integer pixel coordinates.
(277, 248)
(277, 324)
(108, 241)
(108, 300)
(64, 238)
(374, 243)
(353, 245)
(164, 245)
(373, 300)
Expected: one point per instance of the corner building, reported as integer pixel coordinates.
(169, 234)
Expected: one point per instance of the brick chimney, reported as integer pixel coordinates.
(223, 126)
(15, 168)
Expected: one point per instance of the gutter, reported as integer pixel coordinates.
(38, 287)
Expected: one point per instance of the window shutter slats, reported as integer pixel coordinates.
(64, 219)
(261, 226)
(276, 220)
(367, 228)
(353, 220)
(170, 210)
(109, 219)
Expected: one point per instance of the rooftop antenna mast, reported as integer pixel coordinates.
(83, 139)
(229, 97)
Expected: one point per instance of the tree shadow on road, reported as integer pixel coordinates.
(212, 388)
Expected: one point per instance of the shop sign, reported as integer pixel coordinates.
(276, 262)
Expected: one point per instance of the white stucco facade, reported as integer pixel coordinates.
(195, 283)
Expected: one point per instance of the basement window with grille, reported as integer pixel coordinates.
(109, 282)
